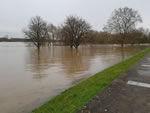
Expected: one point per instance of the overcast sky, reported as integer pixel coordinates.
(15, 14)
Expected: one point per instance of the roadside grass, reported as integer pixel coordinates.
(76, 97)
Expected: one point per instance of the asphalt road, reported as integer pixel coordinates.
(130, 93)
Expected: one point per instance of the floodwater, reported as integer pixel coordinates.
(29, 78)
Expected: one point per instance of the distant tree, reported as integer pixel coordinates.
(122, 21)
(74, 30)
(145, 31)
(52, 31)
(37, 31)
(96, 37)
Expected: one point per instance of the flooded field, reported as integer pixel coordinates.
(29, 78)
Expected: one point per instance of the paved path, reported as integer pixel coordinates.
(130, 93)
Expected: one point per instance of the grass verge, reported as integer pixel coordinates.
(76, 97)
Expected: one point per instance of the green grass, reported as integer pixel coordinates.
(76, 97)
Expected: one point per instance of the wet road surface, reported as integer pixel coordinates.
(130, 93)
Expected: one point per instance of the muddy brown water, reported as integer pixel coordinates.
(29, 78)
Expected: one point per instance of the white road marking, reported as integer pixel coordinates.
(138, 84)
(146, 65)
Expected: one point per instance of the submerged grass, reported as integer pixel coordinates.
(76, 97)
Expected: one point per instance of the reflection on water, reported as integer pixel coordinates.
(28, 77)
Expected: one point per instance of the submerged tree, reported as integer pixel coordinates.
(37, 31)
(74, 30)
(123, 21)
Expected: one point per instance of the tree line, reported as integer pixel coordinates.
(121, 28)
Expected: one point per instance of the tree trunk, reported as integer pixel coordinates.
(76, 47)
(122, 44)
(122, 40)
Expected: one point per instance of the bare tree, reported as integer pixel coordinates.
(74, 30)
(37, 31)
(52, 31)
(122, 21)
